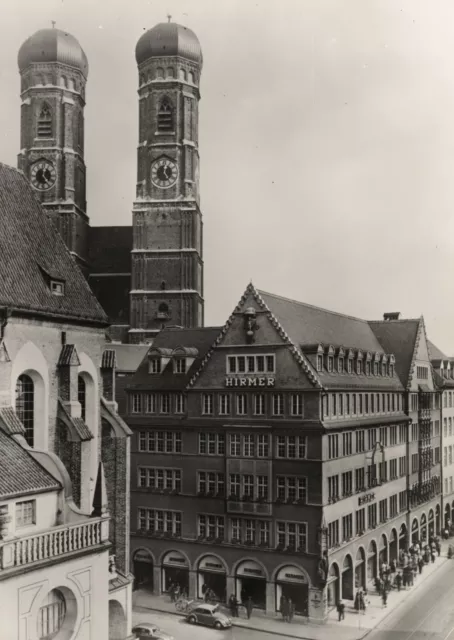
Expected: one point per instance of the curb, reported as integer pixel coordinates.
(300, 637)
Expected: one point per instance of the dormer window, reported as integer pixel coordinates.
(180, 365)
(330, 364)
(340, 364)
(376, 370)
(368, 368)
(319, 363)
(155, 365)
(350, 365)
(57, 287)
(359, 367)
(391, 370)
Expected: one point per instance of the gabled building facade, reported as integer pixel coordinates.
(270, 456)
(64, 488)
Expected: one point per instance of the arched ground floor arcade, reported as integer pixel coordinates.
(263, 577)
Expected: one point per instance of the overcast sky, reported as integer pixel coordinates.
(326, 142)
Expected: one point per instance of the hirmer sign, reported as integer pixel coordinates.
(249, 382)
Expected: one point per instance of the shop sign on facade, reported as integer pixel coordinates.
(249, 382)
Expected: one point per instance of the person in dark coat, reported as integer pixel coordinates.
(284, 608)
(385, 597)
(398, 580)
(232, 606)
(291, 610)
(340, 610)
(438, 546)
(249, 607)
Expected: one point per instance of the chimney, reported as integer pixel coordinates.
(393, 315)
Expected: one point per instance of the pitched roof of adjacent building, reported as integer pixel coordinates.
(308, 325)
(398, 337)
(33, 253)
(200, 339)
(21, 474)
(129, 356)
(435, 353)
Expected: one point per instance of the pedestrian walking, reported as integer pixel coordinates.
(358, 601)
(340, 610)
(432, 555)
(172, 592)
(398, 580)
(249, 607)
(438, 546)
(385, 597)
(420, 565)
(232, 602)
(291, 610)
(284, 607)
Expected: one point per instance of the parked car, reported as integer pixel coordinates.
(149, 631)
(209, 615)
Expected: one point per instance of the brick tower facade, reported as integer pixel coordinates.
(53, 70)
(167, 266)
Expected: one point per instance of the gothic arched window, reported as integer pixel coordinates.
(165, 116)
(44, 128)
(82, 396)
(25, 406)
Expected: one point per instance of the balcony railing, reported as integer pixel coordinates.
(53, 543)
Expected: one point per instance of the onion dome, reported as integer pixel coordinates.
(169, 39)
(52, 45)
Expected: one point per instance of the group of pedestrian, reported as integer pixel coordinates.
(234, 605)
(176, 592)
(361, 600)
(287, 608)
(208, 594)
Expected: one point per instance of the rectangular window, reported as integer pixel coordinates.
(263, 446)
(383, 471)
(154, 365)
(402, 433)
(422, 373)
(160, 441)
(210, 482)
(296, 404)
(156, 520)
(251, 364)
(248, 486)
(402, 466)
(319, 363)
(212, 444)
(414, 463)
(347, 527)
(165, 403)
(207, 404)
(333, 446)
(360, 483)
(25, 513)
(393, 510)
(360, 521)
(180, 403)
(292, 535)
(210, 527)
(393, 435)
(291, 489)
(291, 446)
(235, 445)
(278, 404)
(384, 436)
(241, 404)
(393, 469)
(333, 488)
(372, 515)
(259, 404)
(334, 405)
(151, 403)
(371, 438)
(347, 443)
(347, 483)
(136, 403)
(383, 510)
(333, 534)
(402, 501)
(180, 365)
(235, 485)
(354, 404)
(224, 404)
(249, 445)
(360, 441)
(262, 487)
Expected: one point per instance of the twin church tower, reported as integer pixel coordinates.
(151, 275)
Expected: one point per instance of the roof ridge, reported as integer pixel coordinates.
(393, 321)
(311, 306)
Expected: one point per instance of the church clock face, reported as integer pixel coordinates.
(43, 175)
(164, 173)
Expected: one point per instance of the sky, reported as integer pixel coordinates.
(326, 142)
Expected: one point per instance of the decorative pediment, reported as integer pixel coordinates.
(331, 350)
(384, 358)
(360, 355)
(368, 356)
(341, 352)
(351, 354)
(392, 359)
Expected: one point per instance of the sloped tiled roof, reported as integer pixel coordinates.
(30, 248)
(308, 325)
(68, 356)
(200, 339)
(129, 356)
(20, 473)
(398, 337)
(435, 353)
(109, 359)
(10, 423)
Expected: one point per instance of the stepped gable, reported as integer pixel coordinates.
(33, 254)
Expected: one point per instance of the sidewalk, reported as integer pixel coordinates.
(355, 626)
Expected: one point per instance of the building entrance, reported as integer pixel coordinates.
(292, 583)
(143, 570)
(211, 575)
(175, 570)
(250, 582)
